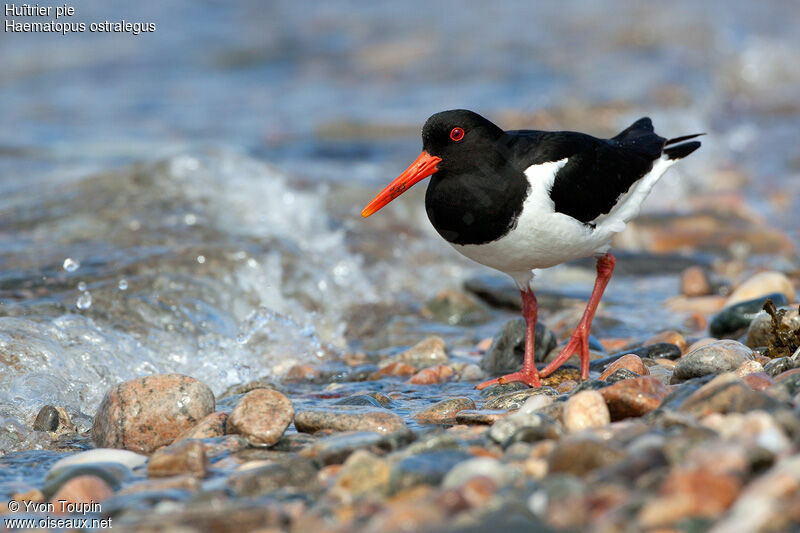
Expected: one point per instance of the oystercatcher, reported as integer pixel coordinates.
(525, 199)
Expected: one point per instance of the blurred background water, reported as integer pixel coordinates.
(187, 200)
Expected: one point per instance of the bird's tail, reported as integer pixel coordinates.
(678, 149)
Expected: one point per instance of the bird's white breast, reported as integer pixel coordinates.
(543, 237)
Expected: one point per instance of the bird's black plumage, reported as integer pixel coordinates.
(478, 192)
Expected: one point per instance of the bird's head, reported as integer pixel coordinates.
(452, 141)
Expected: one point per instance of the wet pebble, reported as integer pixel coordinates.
(581, 456)
(85, 489)
(432, 375)
(726, 394)
(444, 411)
(101, 455)
(653, 351)
(359, 399)
(293, 472)
(688, 493)
(734, 320)
(236, 390)
(503, 430)
(455, 307)
(484, 467)
(515, 400)
(149, 412)
(114, 474)
(428, 352)
(760, 331)
(508, 347)
(669, 337)
(760, 285)
(364, 473)
(46, 419)
(354, 419)
(428, 468)
(631, 362)
(482, 416)
(621, 375)
(758, 380)
(586, 409)
(336, 448)
(695, 282)
(395, 368)
(211, 426)
(634, 397)
(713, 358)
(187, 456)
(261, 417)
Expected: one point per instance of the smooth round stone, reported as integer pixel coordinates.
(621, 374)
(455, 308)
(359, 399)
(585, 409)
(630, 362)
(101, 455)
(481, 416)
(505, 388)
(760, 331)
(336, 448)
(726, 394)
(713, 358)
(261, 417)
(445, 410)
(634, 397)
(209, 427)
(364, 473)
(669, 337)
(471, 372)
(749, 367)
(86, 489)
(427, 468)
(535, 403)
(508, 347)
(184, 457)
(244, 388)
(761, 284)
(146, 413)
(114, 474)
(579, 457)
(515, 400)
(487, 467)
(663, 350)
(531, 434)
(46, 419)
(293, 472)
(432, 375)
(348, 419)
(695, 282)
(504, 429)
(428, 352)
(735, 319)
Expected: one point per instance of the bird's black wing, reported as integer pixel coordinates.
(598, 171)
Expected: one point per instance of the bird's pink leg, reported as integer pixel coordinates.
(580, 337)
(528, 375)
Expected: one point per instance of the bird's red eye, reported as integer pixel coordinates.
(457, 134)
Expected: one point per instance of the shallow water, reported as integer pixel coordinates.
(207, 178)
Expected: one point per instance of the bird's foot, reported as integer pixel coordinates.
(530, 378)
(578, 343)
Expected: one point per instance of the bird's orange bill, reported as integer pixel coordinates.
(424, 166)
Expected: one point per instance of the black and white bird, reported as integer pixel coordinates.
(522, 200)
